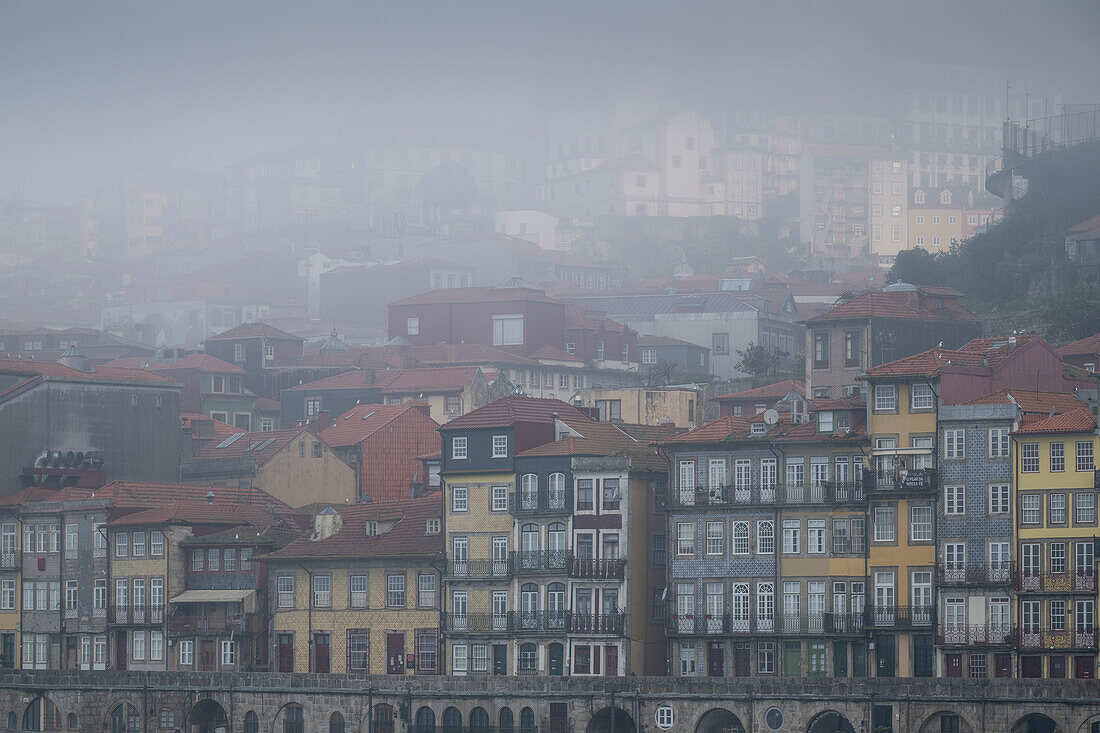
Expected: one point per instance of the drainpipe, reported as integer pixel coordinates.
(309, 615)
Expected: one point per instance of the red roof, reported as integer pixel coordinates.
(553, 352)
(877, 304)
(1088, 346)
(363, 421)
(200, 512)
(716, 430)
(477, 295)
(1031, 401)
(1087, 230)
(266, 404)
(222, 430)
(606, 439)
(256, 329)
(259, 446)
(982, 353)
(776, 391)
(402, 532)
(202, 362)
(356, 379)
(1078, 421)
(433, 379)
(512, 409)
(102, 374)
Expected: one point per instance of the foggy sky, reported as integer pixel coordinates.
(88, 86)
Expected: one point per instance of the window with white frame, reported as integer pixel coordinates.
(426, 591)
(122, 544)
(1085, 456)
(500, 446)
(920, 524)
(395, 591)
(1056, 503)
(998, 443)
(1057, 457)
(458, 448)
(458, 659)
(322, 591)
(715, 538)
(1085, 505)
(499, 499)
(921, 397)
(685, 538)
(954, 444)
(740, 538)
(1029, 458)
(1030, 509)
(508, 330)
(999, 502)
(285, 585)
(649, 356)
(357, 590)
(460, 499)
(229, 652)
(886, 398)
(765, 537)
(954, 499)
(885, 527)
(815, 536)
(792, 536)
(412, 326)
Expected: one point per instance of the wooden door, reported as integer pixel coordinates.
(121, 652)
(1002, 665)
(741, 659)
(1031, 667)
(716, 659)
(611, 661)
(500, 659)
(953, 664)
(792, 659)
(321, 653)
(885, 655)
(1084, 668)
(207, 658)
(395, 653)
(286, 652)
(557, 660)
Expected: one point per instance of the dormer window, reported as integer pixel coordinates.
(825, 421)
(757, 428)
(918, 197)
(372, 529)
(945, 197)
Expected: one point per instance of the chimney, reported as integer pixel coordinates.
(202, 428)
(187, 443)
(327, 523)
(669, 426)
(423, 406)
(324, 420)
(1011, 342)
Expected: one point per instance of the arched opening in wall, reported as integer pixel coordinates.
(336, 723)
(208, 716)
(425, 720)
(124, 718)
(611, 719)
(527, 720)
(291, 718)
(452, 720)
(945, 721)
(251, 722)
(829, 721)
(1035, 723)
(42, 714)
(479, 721)
(383, 718)
(73, 722)
(13, 720)
(507, 721)
(719, 720)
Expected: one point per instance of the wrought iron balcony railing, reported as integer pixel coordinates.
(799, 623)
(974, 573)
(1084, 638)
(1068, 582)
(596, 568)
(542, 501)
(984, 635)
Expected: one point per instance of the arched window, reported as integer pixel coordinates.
(479, 721)
(336, 723)
(507, 722)
(124, 719)
(452, 720)
(293, 721)
(529, 606)
(556, 494)
(251, 722)
(555, 606)
(527, 720)
(529, 546)
(73, 721)
(425, 720)
(556, 550)
(528, 664)
(529, 491)
(13, 720)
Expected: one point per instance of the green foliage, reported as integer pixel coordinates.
(759, 361)
(1071, 316)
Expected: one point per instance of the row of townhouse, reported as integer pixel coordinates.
(945, 528)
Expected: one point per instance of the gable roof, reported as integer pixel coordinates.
(1078, 421)
(716, 430)
(512, 409)
(255, 329)
(103, 374)
(259, 446)
(980, 353)
(1031, 401)
(776, 391)
(222, 430)
(606, 439)
(433, 379)
(202, 362)
(246, 534)
(363, 421)
(355, 379)
(197, 512)
(877, 304)
(1088, 346)
(1087, 230)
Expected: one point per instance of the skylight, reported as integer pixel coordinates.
(230, 440)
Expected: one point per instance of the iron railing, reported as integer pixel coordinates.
(974, 573)
(800, 623)
(535, 561)
(482, 569)
(814, 492)
(136, 614)
(983, 635)
(543, 501)
(596, 568)
(235, 622)
(1056, 638)
(1081, 580)
(901, 617)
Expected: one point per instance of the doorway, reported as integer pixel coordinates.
(286, 652)
(716, 659)
(121, 651)
(395, 653)
(321, 653)
(556, 655)
(886, 657)
(500, 659)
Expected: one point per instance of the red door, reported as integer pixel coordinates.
(121, 652)
(395, 653)
(321, 653)
(611, 661)
(1003, 665)
(1084, 668)
(286, 652)
(954, 663)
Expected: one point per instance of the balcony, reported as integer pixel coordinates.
(808, 623)
(531, 561)
(900, 617)
(974, 573)
(596, 569)
(136, 615)
(912, 480)
(974, 635)
(1056, 639)
(823, 492)
(480, 569)
(599, 623)
(1054, 582)
(9, 560)
(508, 621)
(200, 624)
(542, 501)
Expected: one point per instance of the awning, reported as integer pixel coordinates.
(215, 596)
(901, 452)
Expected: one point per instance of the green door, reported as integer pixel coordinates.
(792, 659)
(557, 659)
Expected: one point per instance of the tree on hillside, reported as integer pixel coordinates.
(759, 361)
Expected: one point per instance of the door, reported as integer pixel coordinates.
(460, 557)
(1083, 668)
(121, 652)
(321, 651)
(882, 718)
(716, 658)
(286, 652)
(7, 651)
(953, 664)
(741, 659)
(611, 661)
(1002, 665)
(206, 657)
(500, 557)
(557, 659)
(885, 656)
(792, 659)
(924, 655)
(500, 659)
(395, 653)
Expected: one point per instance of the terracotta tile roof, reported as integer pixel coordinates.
(606, 439)
(363, 421)
(30, 493)
(808, 433)
(202, 362)
(246, 534)
(407, 536)
(1088, 346)
(873, 303)
(997, 349)
(926, 364)
(553, 352)
(666, 341)
(514, 408)
(198, 512)
(259, 446)
(256, 329)
(836, 403)
(1086, 230)
(100, 374)
(222, 430)
(351, 358)
(776, 391)
(355, 379)
(266, 404)
(471, 354)
(477, 295)
(433, 379)
(1031, 401)
(1078, 421)
(716, 430)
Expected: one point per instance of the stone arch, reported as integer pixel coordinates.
(479, 721)
(383, 717)
(425, 720)
(829, 721)
(934, 722)
(719, 720)
(208, 715)
(507, 721)
(1086, 727)
(1036, 723)
(123, 717)
(336, 722)
(526, 720)
(251, 722)
(610, 719)
(452, 720)
(289, 718)
(42, 714)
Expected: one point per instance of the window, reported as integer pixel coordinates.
(660, 550)
(609, 410)
(229, 560)
(508, 330)
(885, 525)
(238, 352)
(213, 561)
(998, 443)
(1029, 458)
(479, 658)
(1084, 455)
(815, 536)
(954, 444)
(246, 559)
(412, 326)
(357, 589)
(921, 397)
(186, 652)
(426, 590)
(156, 543)
(229, 653)
(137, 650)
(1057, 457)
(499, 500)
(599, 351)
(452, 404)
(139, 544)
(685, 538)
(1030, 509)
(765, 657)
(459, 499)
(395, 591)
(649, 356)
(585, 497)
(322, 591)
(851, 348)
(7, 595)
(316, 449)
(269, 352)
(998, 499)
(1086, 507)
(458, 448)
(458, 659)
(886, 398)
(313, 407)
(285, 585)
(122, 544)
(427, 645)
(72, 536)
(625, 353)
(99, 599)
(612, 496)
(1058, 557)
(740, 538)
(720, 343)
(821, 351)
(792, 536)
(71, 595)
(920, 524)
(765, 537)
(500, 446)
(1057, 506)
(954, 499)
(570, 347)
(563, 381)
(715, 538)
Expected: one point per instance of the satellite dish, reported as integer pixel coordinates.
(771, 416)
